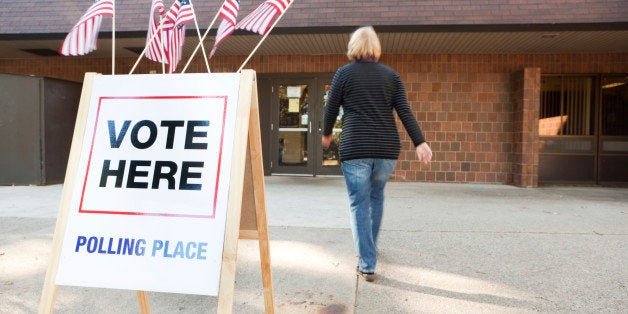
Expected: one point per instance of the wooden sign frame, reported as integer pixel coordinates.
(246, 209)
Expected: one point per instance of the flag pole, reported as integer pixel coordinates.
(200, 40)
(264, 38)
(161, 47)
(200, 43)
(159, 29)
(113, 40)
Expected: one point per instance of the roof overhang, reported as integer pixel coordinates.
(457, 39)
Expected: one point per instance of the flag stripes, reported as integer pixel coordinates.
(259, 20)
(229, 10)
(180, 13)
(229, 13)
(171, 37)
(83, 37)
(176, 40)
(154, 47)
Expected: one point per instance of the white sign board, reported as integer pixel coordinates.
(149, 207)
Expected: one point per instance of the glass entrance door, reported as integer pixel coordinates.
(294, 140)
(296, 121)
(566, 129)
(329, 159)
(613, 143)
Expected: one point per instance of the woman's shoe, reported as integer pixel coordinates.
(370, 277)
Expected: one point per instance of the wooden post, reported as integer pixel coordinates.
(254, 224)
(142, 299)
(230, 248)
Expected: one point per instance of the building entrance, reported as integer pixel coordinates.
(583, 129)
(293, 107)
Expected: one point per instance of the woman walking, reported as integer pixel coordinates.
(369, 92)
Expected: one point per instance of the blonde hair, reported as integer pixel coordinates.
(364, 43)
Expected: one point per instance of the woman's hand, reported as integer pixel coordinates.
(424, 153)
(327, 140)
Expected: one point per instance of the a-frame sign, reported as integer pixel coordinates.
(165, 174)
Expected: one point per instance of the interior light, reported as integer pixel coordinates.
(611, 85)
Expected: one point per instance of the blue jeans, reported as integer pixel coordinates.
(365, 179)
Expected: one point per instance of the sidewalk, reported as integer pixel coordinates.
(443, 248)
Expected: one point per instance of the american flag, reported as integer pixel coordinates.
(175, 39)
(154, 47)
(258, 21)
(229, 14)
(83, 36)
(179, 14)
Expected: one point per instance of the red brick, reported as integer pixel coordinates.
(493, 123)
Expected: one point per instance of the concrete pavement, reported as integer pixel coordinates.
(443, 248)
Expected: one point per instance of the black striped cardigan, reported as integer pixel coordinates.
(368, 92)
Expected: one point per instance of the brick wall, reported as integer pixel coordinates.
(526, 103)
(469, 106)
(467, 120)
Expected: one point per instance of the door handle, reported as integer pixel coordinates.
(310, 126)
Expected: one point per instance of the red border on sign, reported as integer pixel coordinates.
(112, 212)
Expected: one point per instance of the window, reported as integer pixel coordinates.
(566, 106)
(615, 105)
